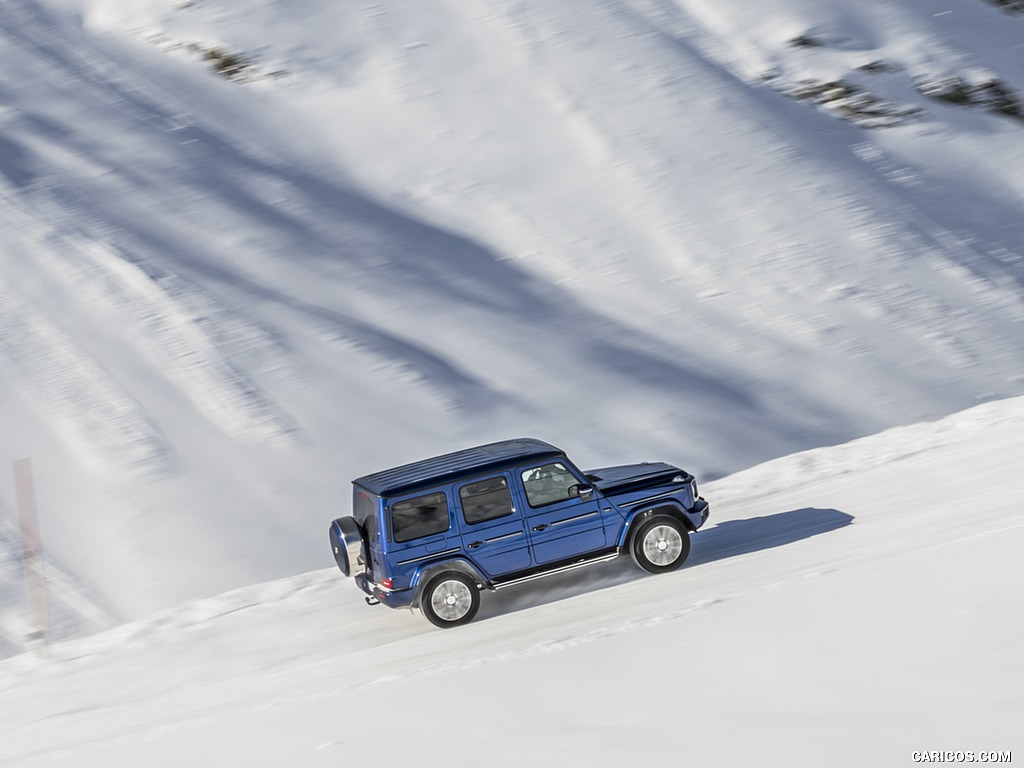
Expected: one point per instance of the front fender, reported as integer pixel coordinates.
(669, 508)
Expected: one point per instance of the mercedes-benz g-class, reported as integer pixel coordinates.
(435, 533)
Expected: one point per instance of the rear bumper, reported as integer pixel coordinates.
(393, 598)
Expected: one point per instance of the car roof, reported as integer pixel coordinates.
(453, 466)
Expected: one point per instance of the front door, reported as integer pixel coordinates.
(561, 525)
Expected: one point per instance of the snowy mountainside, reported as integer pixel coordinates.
(404, 228)
(847, 610)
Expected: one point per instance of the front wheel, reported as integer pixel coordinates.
(450, 600)
(660, 544)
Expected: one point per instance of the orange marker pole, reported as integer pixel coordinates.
(35, 583)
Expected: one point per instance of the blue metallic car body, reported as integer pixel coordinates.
(529, 541)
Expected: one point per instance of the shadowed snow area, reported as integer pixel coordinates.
(837, 609)
(249, 251)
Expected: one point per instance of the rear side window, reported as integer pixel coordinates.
(422, 516)
(486, 500)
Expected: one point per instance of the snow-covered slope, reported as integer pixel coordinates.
(846, 606)
(403, 228)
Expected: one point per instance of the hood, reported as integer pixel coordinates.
(633, 476)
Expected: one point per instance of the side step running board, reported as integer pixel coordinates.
(553, 571)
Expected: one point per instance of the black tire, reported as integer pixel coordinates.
(450, 600)
(660, 544)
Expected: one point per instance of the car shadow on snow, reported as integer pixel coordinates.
(725, 539)
(730, 538)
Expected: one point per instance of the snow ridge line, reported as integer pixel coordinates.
(198, 613)
(864, 453)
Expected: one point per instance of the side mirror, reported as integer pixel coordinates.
(580, 491)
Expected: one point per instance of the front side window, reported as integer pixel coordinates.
(548, 484)
(422, 516)
(486, 500)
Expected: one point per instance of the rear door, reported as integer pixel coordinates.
(560, 524)
(493, 528)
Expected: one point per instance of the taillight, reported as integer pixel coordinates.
(387, 583)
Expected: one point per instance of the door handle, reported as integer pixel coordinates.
(474, 544)
(540, 527)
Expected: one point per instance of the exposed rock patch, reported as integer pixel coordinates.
(851, 102)
(233, 65)
(884, 104)
(993, 95)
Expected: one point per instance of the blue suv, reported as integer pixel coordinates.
(435, 533)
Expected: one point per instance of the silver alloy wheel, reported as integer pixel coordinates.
(663, 544)
(451, 600)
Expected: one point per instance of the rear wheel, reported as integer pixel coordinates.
(660, 544)
(450, 600)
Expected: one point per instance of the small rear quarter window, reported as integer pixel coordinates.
(421, 516)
